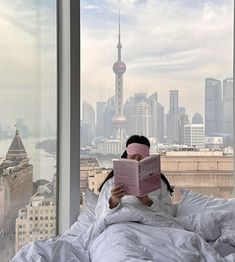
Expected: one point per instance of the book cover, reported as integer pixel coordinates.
(140, 177)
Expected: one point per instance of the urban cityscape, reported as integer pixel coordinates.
(196, 149)
(196, 152)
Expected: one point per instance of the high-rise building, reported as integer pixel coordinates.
(37, 220)
(144, 119)
(138, 111)
(119, 68)
(87, 124)
(109, 113)
(88, 115)
(16, 184)
(183, 120)
(160, 122)
(181, 111)
(213, 107)
(130, 113)
(153, 102)
(172, 117)
(197, 118)
(194, 135)
(85, 134)
(228, 105)
(100, 118)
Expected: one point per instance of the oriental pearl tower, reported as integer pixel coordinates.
(119, 68)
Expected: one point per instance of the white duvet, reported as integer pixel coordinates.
(137, 234)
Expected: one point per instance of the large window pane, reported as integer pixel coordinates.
(27, 123)
(166, 73)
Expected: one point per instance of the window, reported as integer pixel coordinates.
(175, 87)
(28, 50)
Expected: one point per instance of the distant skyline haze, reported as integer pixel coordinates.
(165, 45)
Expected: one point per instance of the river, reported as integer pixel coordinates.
(44, 164)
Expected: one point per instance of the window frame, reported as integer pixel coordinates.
(233, 101)
(68, 113)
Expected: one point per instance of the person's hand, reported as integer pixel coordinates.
(146, 200)
(117, 193)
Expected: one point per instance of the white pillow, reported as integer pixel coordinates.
(209, 224)
(193, 203)
(87, 214)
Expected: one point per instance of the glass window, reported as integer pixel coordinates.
(28, 118)
(166, 72)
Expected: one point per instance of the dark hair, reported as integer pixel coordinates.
(140, 140)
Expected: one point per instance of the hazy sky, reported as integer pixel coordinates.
(28, 62)
(166, 45)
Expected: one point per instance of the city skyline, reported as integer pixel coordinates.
(169, 56)
(167, 109)
(173, 56)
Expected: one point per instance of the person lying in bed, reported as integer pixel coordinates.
(111, 197)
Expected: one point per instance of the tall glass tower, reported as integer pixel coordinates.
(213, 107)
(228, 105)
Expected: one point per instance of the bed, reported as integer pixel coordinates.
(202, 230)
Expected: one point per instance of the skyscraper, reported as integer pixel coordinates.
(197, 118)
(213, 107)
(100, 118)
(228, 105)
(183, 120)
(119, 68)
(144, 119)
(160, 122)
(130, 113)
(138, 111)
(153, 102)
(109, 113)
(88, 115)
(87, 124)
(172, 118)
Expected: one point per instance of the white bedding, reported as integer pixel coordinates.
(137, 234)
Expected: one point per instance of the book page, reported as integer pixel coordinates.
(150, 177)
(126, 172)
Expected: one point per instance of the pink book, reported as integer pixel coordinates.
(140, 177)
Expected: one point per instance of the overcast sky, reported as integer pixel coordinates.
(166, 45)
(27, 62)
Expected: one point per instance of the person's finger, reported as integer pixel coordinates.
(120, 195)
(118, 191)
(119, 187)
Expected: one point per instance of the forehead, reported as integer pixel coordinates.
(135, 155)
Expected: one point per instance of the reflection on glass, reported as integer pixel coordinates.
(27, 123)
(175, 87)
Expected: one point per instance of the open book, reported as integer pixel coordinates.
(140, 177)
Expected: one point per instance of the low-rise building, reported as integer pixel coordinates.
(210, 173)
(38, 219)
(96, 178)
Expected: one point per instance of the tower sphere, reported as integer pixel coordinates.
(119, 121)
(119, 67)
